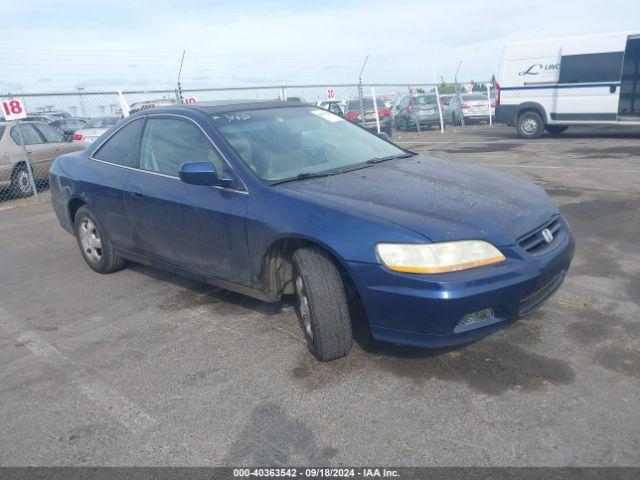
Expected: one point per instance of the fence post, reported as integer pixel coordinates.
(375, 107)
(439, 108)
(489, 102)
(32, 179)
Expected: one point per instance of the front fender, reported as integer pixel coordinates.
(275, 214)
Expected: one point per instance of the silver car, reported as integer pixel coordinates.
(93, 129)
(416, 111)
(43, 143)
(471, 106)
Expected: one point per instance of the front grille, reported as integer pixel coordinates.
(535, 299)
(535, 242)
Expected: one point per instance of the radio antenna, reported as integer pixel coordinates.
(179, 96)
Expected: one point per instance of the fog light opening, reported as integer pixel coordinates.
(476, 317)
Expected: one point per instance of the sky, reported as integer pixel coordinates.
(60, 45)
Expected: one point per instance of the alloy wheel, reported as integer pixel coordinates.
(303, 306)
(90, 240)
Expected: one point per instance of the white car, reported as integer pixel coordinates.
(93, 129)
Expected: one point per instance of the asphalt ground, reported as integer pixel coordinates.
(141, 367)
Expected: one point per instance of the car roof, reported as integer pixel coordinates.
(222, 106)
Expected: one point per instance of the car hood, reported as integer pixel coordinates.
(439, 199)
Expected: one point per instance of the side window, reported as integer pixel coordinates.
(51, 134)
(592, 67)
(29, 134)
(167, 143)
(121, 147)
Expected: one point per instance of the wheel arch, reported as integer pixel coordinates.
(72, 208)
(531, 107)
(276, 273)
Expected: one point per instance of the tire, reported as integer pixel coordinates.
(321, 305)
(94, 244)
(555, 129)
(20, 182)
(530, 125)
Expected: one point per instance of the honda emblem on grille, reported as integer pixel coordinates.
(547, 235)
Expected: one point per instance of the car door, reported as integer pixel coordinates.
(629, 104)
(35, 145)
(105, 176)
(54, 145)
(199, 228)
(589, 87)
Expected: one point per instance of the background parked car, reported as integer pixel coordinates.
(352, 112)
(43, 142)
(473, 106)
(93, 129)
(444, 102)
(70, 125)
(40, 117)
(413, 110)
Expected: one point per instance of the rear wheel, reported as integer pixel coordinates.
(555, 129)
(530, 125)
(20, 182)
(94, 244)
(322, 306)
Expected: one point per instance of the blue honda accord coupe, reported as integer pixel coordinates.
(273, 198)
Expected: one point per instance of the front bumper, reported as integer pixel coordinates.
(426, 310)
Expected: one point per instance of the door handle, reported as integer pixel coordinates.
(612, 88)
(136, 192)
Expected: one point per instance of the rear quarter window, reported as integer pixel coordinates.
(121, 148)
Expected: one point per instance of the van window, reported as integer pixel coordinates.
(592, 67)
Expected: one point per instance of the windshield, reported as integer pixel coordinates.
(354, 105)
(283, 143)
(101, 122)
(425, 100)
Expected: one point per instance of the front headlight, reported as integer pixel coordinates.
(438, 257)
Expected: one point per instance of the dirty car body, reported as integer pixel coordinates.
(281, 187)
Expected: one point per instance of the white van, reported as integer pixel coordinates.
(549, 85)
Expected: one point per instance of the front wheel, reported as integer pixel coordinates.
(530, 125)
(555, 129)
(94, 244)
(321, 306)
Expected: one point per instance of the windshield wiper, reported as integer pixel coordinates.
(337, 171)
(302, 176)
(390, 157)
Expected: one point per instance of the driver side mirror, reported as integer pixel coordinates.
(202, 173)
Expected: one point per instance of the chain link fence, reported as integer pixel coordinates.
(64, 122)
